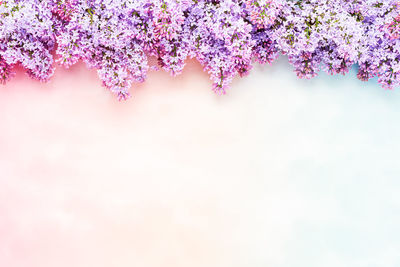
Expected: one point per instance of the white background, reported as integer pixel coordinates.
(278, 172)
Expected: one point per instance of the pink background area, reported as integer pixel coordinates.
(86, 180)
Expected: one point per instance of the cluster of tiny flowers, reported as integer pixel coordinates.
(27, 38)
(116, 37)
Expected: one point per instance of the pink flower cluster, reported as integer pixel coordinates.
(116, 37)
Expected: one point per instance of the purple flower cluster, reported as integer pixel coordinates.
(27, 38)
(116, 37)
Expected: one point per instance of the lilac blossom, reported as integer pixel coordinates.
(5, 71)
(164, 37)
(263, 13)
(221, 40)
(381, 44)
(318, 35)
(116, 37)
(104, 36)
(26, 38)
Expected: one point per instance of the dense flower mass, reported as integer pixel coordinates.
(27, 38)
(116, 37)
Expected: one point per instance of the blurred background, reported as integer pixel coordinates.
(278, 172)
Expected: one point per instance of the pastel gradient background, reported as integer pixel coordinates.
(280, 172)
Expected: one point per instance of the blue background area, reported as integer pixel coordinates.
(340, 139)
